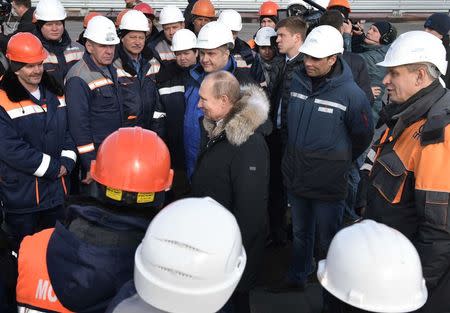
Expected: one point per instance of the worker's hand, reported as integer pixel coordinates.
(62, 171)
(360, 27)
(376, 91)
(347, 27)
(88, 179)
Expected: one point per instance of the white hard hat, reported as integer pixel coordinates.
(263, 36)
(375, 268)
(191, 257)
(322, 3)
(170, 14)
(232, 19)
(50, 10)
(416, 47)
(184, 39)
(134, 20)
(322, 42)
(101, 30)
(213, 35)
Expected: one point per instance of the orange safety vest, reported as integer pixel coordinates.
(34, 290)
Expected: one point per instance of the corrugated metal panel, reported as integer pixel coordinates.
(253, 5)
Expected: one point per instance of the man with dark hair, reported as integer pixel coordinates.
(290, 35)
(329, 125)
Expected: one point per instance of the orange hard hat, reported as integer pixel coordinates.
(25, 48)
(204, 8)
(133, 159)
(88, 17)
(339, 3)
(119, 17)
(268, 8)
(145, 8)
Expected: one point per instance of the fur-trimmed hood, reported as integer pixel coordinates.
(249, 114)
(16, 92)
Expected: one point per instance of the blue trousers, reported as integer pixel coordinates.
(20, 225)
(312, 219)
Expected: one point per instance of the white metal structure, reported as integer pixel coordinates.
(398, 6)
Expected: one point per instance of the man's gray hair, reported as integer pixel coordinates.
(430, 68)
(224, 83)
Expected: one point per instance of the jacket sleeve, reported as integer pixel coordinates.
(77, 99)
(20, 155)
(158, 119)
(363, 80)
(69, 154)
(432, 199)
(250, 179)
(359, 122)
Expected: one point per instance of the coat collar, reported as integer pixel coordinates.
(248, 114)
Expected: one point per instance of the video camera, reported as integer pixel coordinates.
(309, 10)
(5, 10)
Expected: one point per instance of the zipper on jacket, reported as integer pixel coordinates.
(63, 181)
(37, 191)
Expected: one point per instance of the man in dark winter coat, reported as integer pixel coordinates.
(141, 105)
(92, 255)
(290, 35)
(94, 103)
(214, 43)
(37, 150)
(63, 53)
(171, 86)
(329, 125)
(233, 165)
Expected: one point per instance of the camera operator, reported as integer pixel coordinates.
(24, 12)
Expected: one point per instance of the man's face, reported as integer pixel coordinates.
(30, 75)
(214, 108)
(53, 30)
(433, 32)
(266, 53)
(199, 22)
(171, 29)
(134, 42)
(373, 36)
(267, 22)
(318, 67)
(102, 55)
(400, 83)
(213, 60)
(286, 41)
(18, 10)
(186, 58)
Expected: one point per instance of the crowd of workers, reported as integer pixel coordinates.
(147, 171)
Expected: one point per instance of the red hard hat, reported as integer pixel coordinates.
(268, 8)
(204, 8)
(25, 48)
(88, 17)
(133, 159)
(145, 8)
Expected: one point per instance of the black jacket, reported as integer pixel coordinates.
(360, 73)
(233, 169)
(171, 85)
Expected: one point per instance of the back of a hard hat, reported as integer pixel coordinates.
(191, 257)
(375, 268)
